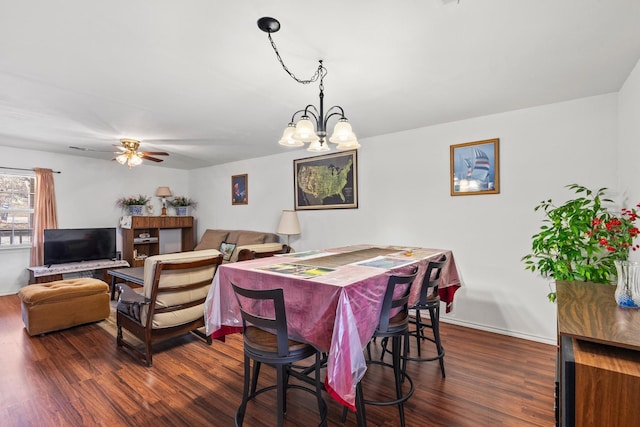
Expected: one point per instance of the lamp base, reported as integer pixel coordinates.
(164, 211)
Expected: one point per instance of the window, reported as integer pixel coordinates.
(16, 209)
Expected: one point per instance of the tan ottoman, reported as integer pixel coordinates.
(48, 307)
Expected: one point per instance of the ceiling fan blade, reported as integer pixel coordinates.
(153, 159)
(156, 153)
(73, 147)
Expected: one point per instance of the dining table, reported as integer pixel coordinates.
(333, 299)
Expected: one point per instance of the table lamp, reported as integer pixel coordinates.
(164, 192)
(289, 224)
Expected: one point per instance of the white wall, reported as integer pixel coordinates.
(86, 192)
(404, 198)
(629, 137)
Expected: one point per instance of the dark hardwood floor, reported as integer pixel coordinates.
(78, 377)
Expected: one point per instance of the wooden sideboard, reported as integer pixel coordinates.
(135, 247)
(599, 357)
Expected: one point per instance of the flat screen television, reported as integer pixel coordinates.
(62, 245)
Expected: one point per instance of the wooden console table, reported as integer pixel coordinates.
(44, 274)
(599, 357)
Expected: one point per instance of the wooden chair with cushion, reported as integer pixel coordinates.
(171, 301)
(266, 340)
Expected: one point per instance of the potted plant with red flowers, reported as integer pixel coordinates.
(570, 245)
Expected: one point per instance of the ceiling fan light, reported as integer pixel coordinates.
(287, 137)
(135, 160)
(305, 131)
(122, 158)
(318, 147)
(342, 132)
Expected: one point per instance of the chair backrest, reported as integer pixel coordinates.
(264, 309)
(262, 251)
(177, 286)
(431, 280)
(396, 297)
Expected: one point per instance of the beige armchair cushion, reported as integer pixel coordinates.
(176, 278)
(211, 239)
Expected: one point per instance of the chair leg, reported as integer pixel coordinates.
(147, 358)
(254, 378)
(361, 419)
(435, 325)
(398, 374)
(322, 410)
(419, 331)
(403, 358)
(280, 393)
(245, 392)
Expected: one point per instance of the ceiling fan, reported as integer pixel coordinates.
(128, 152)
(130, 155)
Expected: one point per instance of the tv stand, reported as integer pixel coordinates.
(50, 273)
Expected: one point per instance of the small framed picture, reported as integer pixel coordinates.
(475, 168)
(240, 189)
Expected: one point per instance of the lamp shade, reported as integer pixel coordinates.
(163, 192)
(135, 160)
(342, 133)
(289, 223)
(305, 131)
(287, 137)
(122, 159)
(318, 147)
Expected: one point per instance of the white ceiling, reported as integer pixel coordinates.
(198, 79)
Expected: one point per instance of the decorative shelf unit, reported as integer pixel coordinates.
(598, 357)
(135, 248)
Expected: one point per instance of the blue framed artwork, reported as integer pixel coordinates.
(475, 168)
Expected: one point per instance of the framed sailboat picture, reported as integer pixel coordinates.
(475, 168)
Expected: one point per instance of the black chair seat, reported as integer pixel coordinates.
(264, 345)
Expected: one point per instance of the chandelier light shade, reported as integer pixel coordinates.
(311, 126)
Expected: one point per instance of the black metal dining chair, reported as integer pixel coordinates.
(393, 325)
(264, 311)
(429, 301)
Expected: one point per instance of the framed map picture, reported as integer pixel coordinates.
(326, 182)
(475, 168)
(240, 189)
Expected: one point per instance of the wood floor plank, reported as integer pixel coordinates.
(78, 377)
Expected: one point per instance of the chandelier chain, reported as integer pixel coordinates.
(319, 74)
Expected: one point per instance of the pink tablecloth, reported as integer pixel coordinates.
(336, 312)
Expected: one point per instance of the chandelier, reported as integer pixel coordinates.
(297, 134)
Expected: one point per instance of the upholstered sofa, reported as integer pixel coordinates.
(238, 245)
